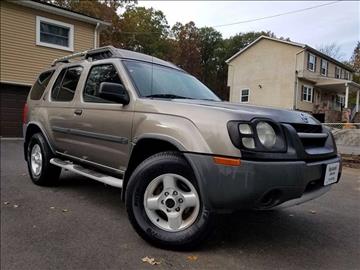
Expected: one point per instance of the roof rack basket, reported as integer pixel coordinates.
(90, 55)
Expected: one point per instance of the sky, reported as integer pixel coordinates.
(335, 23)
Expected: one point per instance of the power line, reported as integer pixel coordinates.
(277, 15)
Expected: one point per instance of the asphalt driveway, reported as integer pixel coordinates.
(82, 224)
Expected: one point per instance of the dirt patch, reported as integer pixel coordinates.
(351, 161)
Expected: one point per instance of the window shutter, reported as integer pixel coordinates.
(315, 64)
(312, 95)
(302, 93)
(321, 61)
(327, 68)
(308, 61)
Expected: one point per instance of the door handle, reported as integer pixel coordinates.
(78, 112)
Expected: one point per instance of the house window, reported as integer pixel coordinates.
(307, 93)
(346, 75)
(340, 101)
(337, 72)
(324, 67)
(244, 98)
(311, 62)
(54, 34)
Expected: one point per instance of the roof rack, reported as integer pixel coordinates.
(90, 55)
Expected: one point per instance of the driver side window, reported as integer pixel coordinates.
(97, 75)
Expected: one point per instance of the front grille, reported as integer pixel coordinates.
(312, 137)
(305, 128)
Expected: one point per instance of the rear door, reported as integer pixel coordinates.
(60, 108)
(103, 127)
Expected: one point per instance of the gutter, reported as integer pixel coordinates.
(96, 35)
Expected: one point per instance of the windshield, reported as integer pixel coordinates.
(157, 81)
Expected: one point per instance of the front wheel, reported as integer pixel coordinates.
(41, 171)
(164, 203)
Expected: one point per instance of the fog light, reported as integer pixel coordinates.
(248, 143)
(245, 129)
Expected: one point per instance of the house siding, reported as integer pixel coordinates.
(21, 59)
(304, 105)
(267, 63)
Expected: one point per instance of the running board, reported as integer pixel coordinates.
(106, 179)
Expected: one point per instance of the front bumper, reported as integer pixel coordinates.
(258, 184)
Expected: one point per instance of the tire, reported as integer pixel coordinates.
(41, 171)
(190, 222)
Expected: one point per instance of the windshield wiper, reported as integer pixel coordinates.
(167, 96)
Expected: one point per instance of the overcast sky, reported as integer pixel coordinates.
(338, 22)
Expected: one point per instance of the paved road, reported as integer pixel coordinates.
(95, 233)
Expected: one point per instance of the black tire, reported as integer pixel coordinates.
(49, 174)
(154, 166)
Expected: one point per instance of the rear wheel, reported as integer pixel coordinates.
(41, 171)
(164, 204)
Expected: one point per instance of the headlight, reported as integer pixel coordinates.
(266, 134)
(257, 135)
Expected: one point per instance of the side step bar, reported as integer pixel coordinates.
(106, 179)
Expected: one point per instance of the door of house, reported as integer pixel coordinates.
(320, 117)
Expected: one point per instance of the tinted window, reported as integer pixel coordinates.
(155, 80)
(65, 84)
(97, 75)
(40, 85)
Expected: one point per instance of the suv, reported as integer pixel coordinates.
(177, 151)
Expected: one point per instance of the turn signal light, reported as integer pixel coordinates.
(227, 161)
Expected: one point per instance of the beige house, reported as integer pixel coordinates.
(283, 74)
(33, 34)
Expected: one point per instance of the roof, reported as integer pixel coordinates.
(39, 5)
(112, 52)
(300, 45)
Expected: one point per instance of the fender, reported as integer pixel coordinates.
(38, 125)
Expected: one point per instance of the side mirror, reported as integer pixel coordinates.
(114, 92)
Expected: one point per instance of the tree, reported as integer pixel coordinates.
(210, 41)
(333, 50)
(355, 58)
(187, 48)
(144, 30)
(355, 63)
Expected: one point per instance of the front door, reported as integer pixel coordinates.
(103, 127)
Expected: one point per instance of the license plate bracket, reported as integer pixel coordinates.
(331, 173)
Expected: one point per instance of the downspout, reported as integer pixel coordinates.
(96, 35)
(296, 82)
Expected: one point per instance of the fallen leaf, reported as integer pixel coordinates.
(312, 211)
(65, 210)
(192, 258)
(52, 207)
(6, 203)
(151, 261)
(16, 206)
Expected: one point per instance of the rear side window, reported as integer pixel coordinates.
(65, 84)
(97, 75)
(40, 85)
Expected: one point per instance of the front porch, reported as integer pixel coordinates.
(336, 101)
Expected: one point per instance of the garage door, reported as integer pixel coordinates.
(12, 98)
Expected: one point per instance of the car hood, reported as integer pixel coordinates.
(248, 112)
